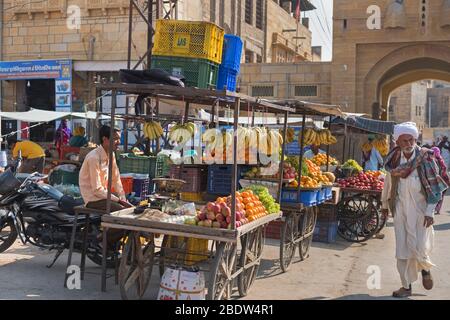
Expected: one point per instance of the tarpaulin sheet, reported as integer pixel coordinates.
(366, 124)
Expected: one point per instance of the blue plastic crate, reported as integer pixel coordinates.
(325, 232)
(321, 196)
(219, 178)
(141, 185)
(328, 193)
(232, 52)
(307, 197)
(227, 79)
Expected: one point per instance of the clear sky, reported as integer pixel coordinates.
(321, 26)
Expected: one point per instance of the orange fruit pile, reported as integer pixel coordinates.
(254, 209)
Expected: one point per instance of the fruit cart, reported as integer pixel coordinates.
(299, 204)
(359, 210)
(230, 255)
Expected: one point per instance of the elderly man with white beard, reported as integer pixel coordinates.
(412, 189)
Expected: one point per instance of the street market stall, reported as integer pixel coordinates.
(233, 249)
(358, 211)
(301, 198)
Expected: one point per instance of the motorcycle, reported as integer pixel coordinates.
(41, 215)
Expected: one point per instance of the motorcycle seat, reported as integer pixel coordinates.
(68, 204)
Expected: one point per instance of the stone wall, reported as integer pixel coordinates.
(284, 77)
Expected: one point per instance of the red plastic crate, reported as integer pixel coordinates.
(195, 177)
(127, 184)
(273, 229)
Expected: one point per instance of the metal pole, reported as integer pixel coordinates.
(328, 149)
(158, 144)
(127, 100)
(150, 34)
(237, 106)
(343, 151)
(283, 150)
(302, 143)
(111, 146)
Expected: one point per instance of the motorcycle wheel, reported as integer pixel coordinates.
(8, 234)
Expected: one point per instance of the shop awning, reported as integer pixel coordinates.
(37, 115)
(366, 125)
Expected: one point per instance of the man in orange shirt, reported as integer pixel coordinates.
(93, 178)
(32, 153)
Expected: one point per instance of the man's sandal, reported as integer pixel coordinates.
(427, 280)
(402, 293)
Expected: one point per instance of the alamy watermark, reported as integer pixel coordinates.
(374, 280)
(73, 20)
(73, 281)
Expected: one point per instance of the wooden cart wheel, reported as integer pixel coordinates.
(220, 284)
(287, 242)
(252, 248)
(307, 224)
(358, 219)
(136, 266)
(382, 219)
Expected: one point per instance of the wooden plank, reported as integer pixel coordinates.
(259, 222)
(184, 228)
(354, 190)
(168, 232)
(195, 95)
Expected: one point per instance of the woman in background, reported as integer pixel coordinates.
(63, 135)
(79, 139)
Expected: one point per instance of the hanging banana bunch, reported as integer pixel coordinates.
(182, 133)
(318, 137)
(153, 130)
(290, 135)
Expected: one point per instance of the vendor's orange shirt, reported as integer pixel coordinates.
(29, 149)
(94, 177)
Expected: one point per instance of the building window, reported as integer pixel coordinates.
(249, 11)
(249, 56)
(262, 91)
(259, 14)
(306, 91)
(345, 24)
(258, 59)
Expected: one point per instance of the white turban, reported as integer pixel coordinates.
(406, 128)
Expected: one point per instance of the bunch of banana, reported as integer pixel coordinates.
(215, 139)
(182, 133)
(290, 135)
(318, 137)
(382, 146)
(367, 146)
(153, 130)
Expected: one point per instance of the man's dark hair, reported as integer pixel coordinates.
(11, 140)
(105, 132)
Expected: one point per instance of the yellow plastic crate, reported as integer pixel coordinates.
(189, 39)
(192, 196)
(192, 250)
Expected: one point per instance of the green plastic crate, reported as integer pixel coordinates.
(129, 163)
(199, 73)
(163, 164)
(64, 177)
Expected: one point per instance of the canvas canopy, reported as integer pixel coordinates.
(37, 115)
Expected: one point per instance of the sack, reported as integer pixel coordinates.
(181, 284)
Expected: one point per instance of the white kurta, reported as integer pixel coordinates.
(414, 242)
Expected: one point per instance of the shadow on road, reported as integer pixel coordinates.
(442, 227)
(369, 297)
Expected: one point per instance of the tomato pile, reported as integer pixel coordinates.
(363, 181)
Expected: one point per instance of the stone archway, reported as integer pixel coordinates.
(402, 66)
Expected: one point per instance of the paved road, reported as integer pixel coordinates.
(333, 271)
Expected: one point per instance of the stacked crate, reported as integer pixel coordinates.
(326, 225)
(189, 49)
(231, 63)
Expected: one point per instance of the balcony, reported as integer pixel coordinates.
(285, 50)
(27, 7)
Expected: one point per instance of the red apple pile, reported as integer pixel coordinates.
(362, 181)
(289, 171)
(218, 214)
